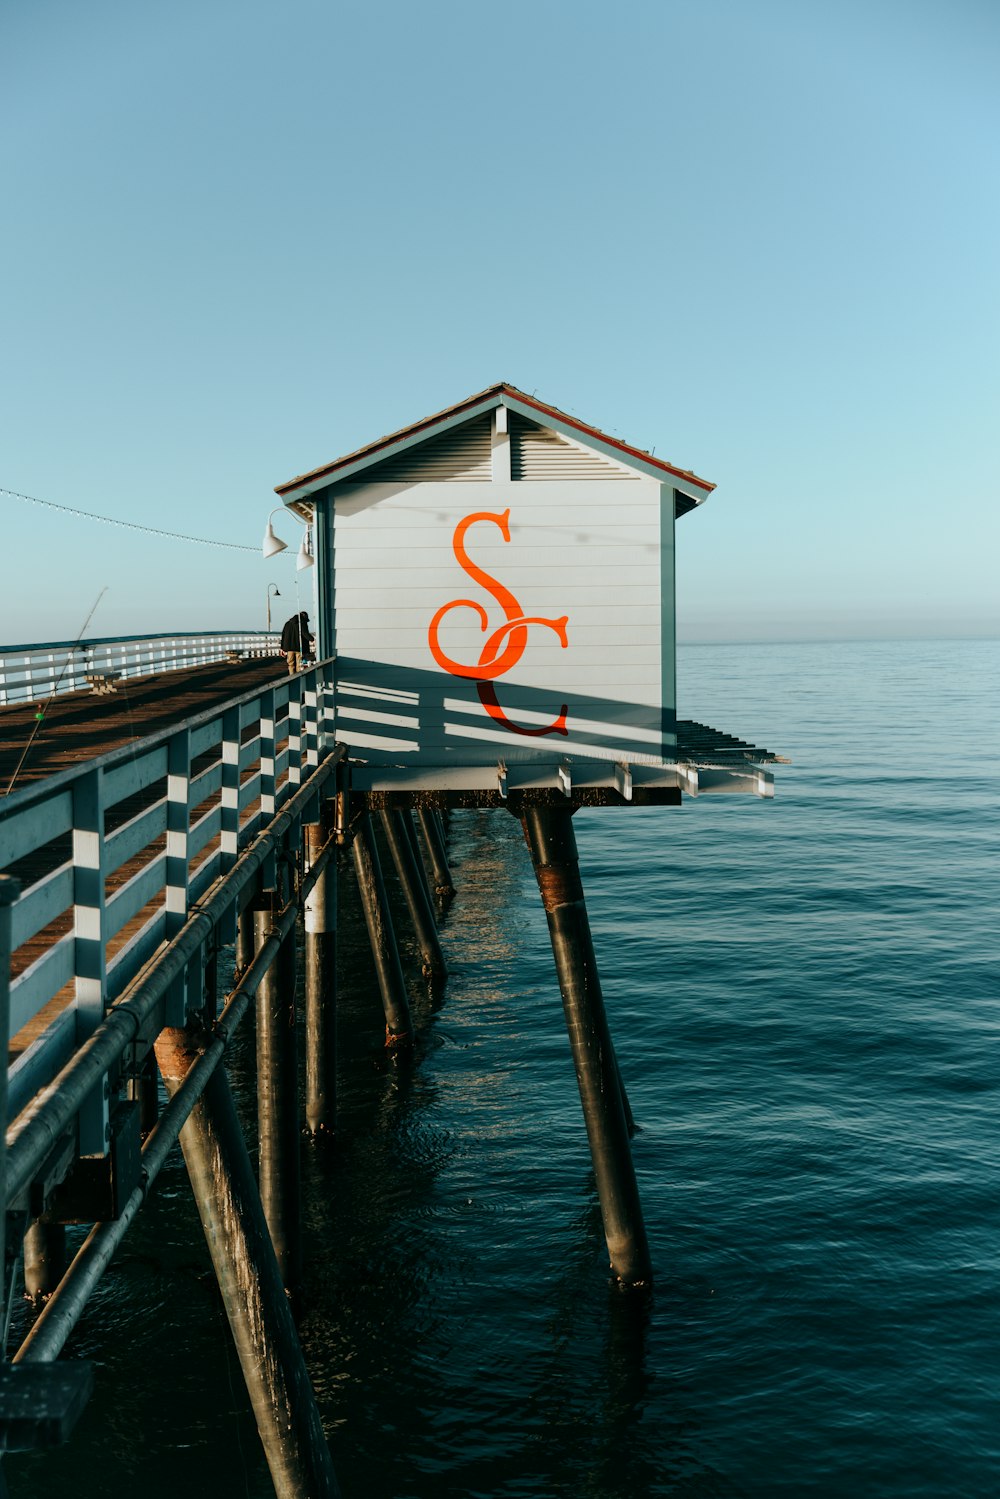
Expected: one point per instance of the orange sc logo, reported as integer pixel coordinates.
(506, 644)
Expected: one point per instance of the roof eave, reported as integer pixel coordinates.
(348, 467)
(387, 447)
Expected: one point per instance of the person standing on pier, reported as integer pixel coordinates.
(295, 641)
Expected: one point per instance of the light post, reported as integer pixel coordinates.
(277, 595)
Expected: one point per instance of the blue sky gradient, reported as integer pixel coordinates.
(241, 239)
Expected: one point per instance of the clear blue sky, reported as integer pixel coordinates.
(240, 239)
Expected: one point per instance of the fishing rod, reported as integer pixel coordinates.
(40, 715)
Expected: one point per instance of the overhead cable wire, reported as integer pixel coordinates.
(129, 525)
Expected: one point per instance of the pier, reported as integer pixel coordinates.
(158, 822)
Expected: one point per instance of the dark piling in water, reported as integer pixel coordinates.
(251, 1284)
(321, 989)
(549, 834)
(278, 1104)
(381, 934)
(396, 826)
(433, 830)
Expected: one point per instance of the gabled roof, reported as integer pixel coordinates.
(351, 464)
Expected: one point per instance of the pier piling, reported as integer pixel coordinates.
(277, 1103)
(244, 939)
(321, 989)
(143, 1089)
(44, 1260)
(381, 934)
(251, 1284)
(432, 829)
(410, 829)
(549, 834)
(397, 827)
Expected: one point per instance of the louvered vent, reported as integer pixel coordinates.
(461, 453)
(537, 453)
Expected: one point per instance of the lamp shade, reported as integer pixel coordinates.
(272, 544)
(305, 557)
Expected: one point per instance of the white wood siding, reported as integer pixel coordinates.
(539, 454)
(587, 548)
(462, 453)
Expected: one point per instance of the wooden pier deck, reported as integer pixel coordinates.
(80, 726)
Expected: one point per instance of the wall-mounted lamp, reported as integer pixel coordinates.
(273, 544)
(305, 557)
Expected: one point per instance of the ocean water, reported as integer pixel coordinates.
(803, 995)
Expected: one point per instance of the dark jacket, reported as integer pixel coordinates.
(295, 635)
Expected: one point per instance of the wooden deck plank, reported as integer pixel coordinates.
(78, 726)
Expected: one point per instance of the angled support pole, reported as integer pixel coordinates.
(381, 934)
(436, 852)
(416, 895)
(548, 831)
(409, 827)
(278, 1104)
(260, 1317)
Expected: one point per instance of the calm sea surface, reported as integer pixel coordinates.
(804, 998)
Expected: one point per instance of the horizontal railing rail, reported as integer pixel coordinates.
(112, 855)
(32, 673)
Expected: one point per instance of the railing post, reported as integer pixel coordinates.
(9, 891)
(89, 930)
(295, 731)
(310, 725)
(230, 826)
(178, 828)
(178, 855)
(327, 712)
(267, 770)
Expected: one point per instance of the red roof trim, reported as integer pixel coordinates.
(611, 442)
(413, 430)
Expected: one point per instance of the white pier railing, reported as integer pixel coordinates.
(32, 673)
(111, 855)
